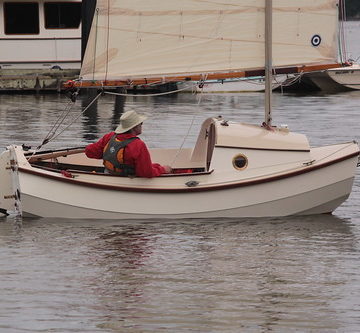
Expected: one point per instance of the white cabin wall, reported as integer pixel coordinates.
(50, 47)
(260, 162)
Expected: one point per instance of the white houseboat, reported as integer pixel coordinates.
(40, 43)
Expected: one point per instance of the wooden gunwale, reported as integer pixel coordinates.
(98, 170)
(185, 189)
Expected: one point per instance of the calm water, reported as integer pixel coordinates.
(228, 275)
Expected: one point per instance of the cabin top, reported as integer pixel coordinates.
(230, 134)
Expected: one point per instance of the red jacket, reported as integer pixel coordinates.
(136, 154)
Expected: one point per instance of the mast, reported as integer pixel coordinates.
(268, 61)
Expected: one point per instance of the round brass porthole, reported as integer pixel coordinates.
(240, 162)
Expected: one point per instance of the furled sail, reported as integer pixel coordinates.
(140, 41)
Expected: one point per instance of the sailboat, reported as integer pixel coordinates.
(337, 79)
(349, 77)
(234, 169)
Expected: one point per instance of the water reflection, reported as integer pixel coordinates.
(119, 106)
(195, 271)
(171, 119)
(90, 116)
(182, 275)
(169, 272)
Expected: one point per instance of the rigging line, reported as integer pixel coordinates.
(53, 129)
(296, 167)
(290, 81)
(266, 175)
(343, 46)
(96, 38)
(291, 168)
(107, 42)
(78, 116)
(335, 152)
(146, 95)
(55, 136)
(302, 161)
(189, 129)
(59, 121)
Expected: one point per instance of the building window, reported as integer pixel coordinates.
(62, 15)
(21, 18)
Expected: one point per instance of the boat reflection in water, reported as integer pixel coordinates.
(203, 274)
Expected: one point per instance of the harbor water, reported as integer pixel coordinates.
(291, 274)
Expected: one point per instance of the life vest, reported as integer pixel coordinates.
(113, 157)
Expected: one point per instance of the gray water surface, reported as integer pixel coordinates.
(261, 275)
(223, 275)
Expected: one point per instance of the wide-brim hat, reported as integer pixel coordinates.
(129, 120)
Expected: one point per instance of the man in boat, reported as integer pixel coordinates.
(123, 152)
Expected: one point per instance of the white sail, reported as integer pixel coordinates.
(132, 39)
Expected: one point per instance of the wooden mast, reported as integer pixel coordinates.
(268, 61)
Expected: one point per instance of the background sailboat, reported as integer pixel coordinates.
(255, 170)
(335, 79)
(347, 76)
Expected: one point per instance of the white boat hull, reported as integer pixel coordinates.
(252, 201)
(282, 176)
(349, 77)
(336, 79)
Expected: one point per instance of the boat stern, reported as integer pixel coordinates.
(9, 189)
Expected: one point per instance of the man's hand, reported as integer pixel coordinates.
(168, 169)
